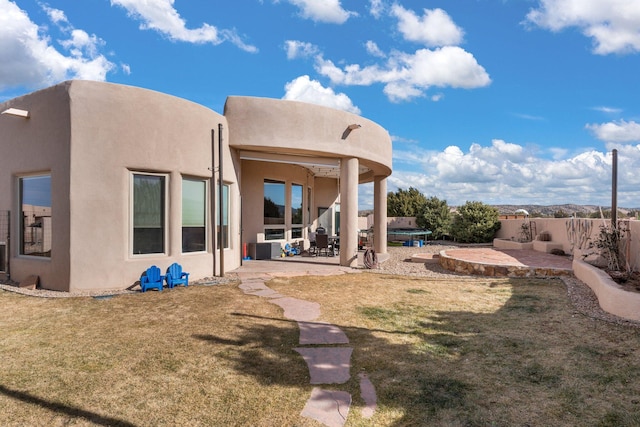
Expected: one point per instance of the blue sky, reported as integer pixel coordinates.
(499, 101)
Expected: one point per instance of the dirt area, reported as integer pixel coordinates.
(628, 281)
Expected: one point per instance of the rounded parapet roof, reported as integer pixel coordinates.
(281, 127)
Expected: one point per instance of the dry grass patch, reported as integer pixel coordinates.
(207, 356)
(479, 351)
(459, 352)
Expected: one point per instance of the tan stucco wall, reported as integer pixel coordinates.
(117, 130)
(92, 136)
(557, 227)
(38, 145)
(293, 127)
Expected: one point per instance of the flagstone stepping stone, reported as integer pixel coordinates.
(321, 333)
(297, 309)
(327, 365)
(368, 394)
(328, 407)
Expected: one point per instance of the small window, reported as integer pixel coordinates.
(35, 221)
(296, 232)
(149, 213)
(194, 213)
(274, 234)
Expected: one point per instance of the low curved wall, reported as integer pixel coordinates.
(611, 297)
(511, 244)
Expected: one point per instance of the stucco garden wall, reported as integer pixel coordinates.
(557, 228)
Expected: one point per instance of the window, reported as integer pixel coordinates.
(148, 213)
(194, 213)
(296, 204)
(35, 221)
(274, 234)
(223, 232)
(274, 203)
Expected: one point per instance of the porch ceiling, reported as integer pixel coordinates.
(319, 166)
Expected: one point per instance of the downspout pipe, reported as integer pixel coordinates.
(614, 189)
(221, 198)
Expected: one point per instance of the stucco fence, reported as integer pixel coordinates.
(574, 236)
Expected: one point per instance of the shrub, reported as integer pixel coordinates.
(475, 222)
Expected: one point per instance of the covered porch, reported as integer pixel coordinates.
(304, 173)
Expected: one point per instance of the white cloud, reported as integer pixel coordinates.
(327, 11)
(29, 59)
(614, 25)
(297, 49)
(528, 116)
(434, 28)
(161, 16)
(617, 131)
(307, 90)
(373, 49)
(408, 76)
(608, 110)
(376, 8)
(507, 173)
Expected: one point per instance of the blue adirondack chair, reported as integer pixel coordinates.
(175, 275)
(151, 279)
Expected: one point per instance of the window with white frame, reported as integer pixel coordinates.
(194, 214)
(148, 213)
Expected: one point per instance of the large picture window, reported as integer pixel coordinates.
(274, 202)
(35, 221)
(223, 230)
(149, 213)
(194, 213)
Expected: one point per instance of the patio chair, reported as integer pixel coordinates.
(151, 279)
(175, 276)
(322, 244)
(313, 248)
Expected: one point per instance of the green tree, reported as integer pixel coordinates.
(409, 202)
(560, 214)
(436, 217)
(475, 222)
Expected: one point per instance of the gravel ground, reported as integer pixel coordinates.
(583, 299)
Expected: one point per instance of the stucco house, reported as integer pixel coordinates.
(102, 180)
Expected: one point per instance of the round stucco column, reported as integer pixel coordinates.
(349, 212)
(380, 214)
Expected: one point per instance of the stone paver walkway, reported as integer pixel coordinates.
(327, 363)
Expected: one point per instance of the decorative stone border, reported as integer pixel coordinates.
(485, 269)
(611, 297)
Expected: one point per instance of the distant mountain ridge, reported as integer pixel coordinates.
(544, 210)
(549, 210)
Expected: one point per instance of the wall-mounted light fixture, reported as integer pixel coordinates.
(16, 112)
(350, 128)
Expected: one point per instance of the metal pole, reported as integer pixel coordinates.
(212, 190)
(221, 199)
(614, 190)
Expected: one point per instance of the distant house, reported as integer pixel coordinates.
(125, 177)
